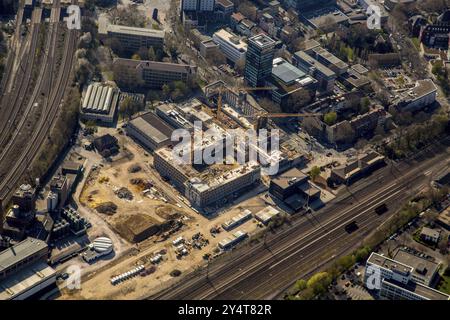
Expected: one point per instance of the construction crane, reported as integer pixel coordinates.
(261, 116)
(222, 90)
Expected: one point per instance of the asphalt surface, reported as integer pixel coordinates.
(266, 270)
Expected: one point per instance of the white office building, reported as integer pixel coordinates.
(231, 45)
(400, 281)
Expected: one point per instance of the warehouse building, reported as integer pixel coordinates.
(24, 270)
(132, 38)
(99, 103)
(150, 131)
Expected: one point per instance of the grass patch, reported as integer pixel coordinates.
(416, 42)
(444, 283)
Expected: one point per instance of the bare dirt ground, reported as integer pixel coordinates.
(97, 285)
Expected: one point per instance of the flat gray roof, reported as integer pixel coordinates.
(424, 268)
(262, 40)
(419, 289)
(144, 32)
(313, 62)
(285, 179)
(25, 279)
(153, 126)
(287, 73)
(20, 251)
(330, 57)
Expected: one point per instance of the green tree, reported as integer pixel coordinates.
(135, 57)
(128, 107)
(166, 90)
(314, 173)
(319, 282)
(151, 54)
(364, 105)
(330, 118)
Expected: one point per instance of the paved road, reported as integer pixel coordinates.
(265, 271)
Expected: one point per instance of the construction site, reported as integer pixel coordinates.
(171, 217)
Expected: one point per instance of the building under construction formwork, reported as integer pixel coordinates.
(211, 184)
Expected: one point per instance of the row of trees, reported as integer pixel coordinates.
(3, 53)
(416, 136)
(357, 41)
(442, 77)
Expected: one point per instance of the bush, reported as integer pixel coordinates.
(175, 273)
(330, 118)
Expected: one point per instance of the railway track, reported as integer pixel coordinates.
(310, 243)
(45, 71)
(11, 101)
(48, 116)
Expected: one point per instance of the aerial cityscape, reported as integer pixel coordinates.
(225, 150)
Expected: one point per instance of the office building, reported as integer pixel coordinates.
(357, 168)
(198, 5)
(208, 48)
(224, 9)
(258, 60)
(294, 189)
(324, 75)
(288, 79)
(150, 74)
(231, 45)
(132, 39)
(329, 60)
(405, 277)
(420, 96)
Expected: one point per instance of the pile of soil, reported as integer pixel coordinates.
(137, 227)
(141, 183)
(134, 168)
(124, 193)
(108, 208)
